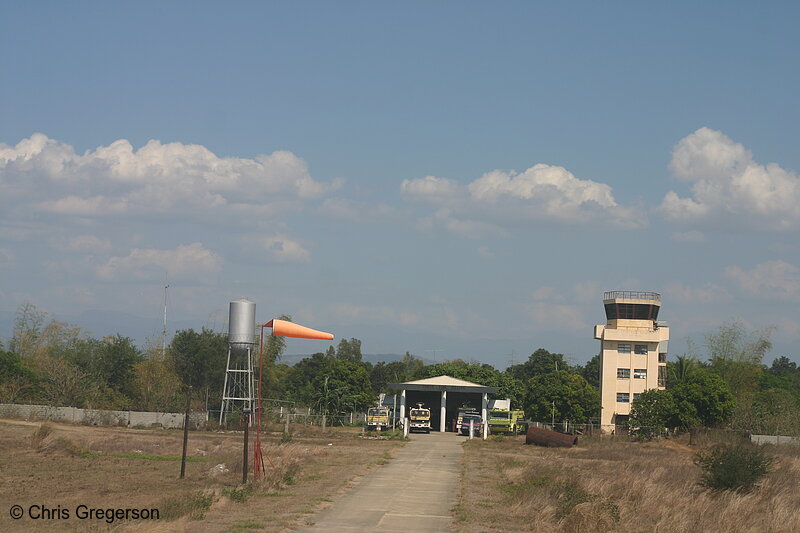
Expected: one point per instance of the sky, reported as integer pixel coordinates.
(453, 179)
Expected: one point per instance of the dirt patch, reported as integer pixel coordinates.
(63, 467)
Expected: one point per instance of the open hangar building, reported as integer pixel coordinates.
(443, 395)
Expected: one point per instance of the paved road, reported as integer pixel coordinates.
(413, 492)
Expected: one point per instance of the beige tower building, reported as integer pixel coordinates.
(633, 352)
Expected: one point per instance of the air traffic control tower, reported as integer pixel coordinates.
(633, 352)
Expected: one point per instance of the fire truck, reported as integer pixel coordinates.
(419, 419)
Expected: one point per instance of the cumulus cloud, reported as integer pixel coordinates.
(84, 243)
(283, 249)
(709, 293)
(360, 212)
(430, 189)
(558, 317)
(726, 182)
(689, 237)
(7, 257)
(186, 261)
(771, 279)
(540, 193)
(46, 175)
(375, 312)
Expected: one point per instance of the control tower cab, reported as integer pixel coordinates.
(633, 352)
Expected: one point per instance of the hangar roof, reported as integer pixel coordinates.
(440, 383)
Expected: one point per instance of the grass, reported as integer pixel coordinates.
(614, 485)
(69, 465)
(194, 505)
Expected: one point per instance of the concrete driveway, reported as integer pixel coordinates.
(413, 492)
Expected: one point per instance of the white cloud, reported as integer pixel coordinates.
(283, 249)
(359, 212)
(185, 261)
(430, 189)
(709, 293)
(7, 257)
(375, 313)
(727, 182)
(541, 193)
(558, 317)
(485, 252)
(690, 237)
(45, 175)
(772, 279)
(84, 243)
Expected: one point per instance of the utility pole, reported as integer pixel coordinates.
(164, 337)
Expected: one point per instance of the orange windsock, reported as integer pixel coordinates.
(283, 328)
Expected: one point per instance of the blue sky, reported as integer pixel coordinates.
(465, 178)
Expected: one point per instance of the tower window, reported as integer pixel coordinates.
(623, 373)
(623, 348)
(640, 349)
(623, 397)
(640, 373)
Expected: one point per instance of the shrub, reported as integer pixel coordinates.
(733, 467)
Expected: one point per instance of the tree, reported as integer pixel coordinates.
(349, 350)
(199, 358)
(157, 385)
(736, 354)
(681, 370)
(563, 396)
(115, 365)
(652, 412)
(17, 382)
(703, 400)
(540, 362)
(591, 371)
(342, 386)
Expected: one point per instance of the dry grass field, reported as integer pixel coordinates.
(60, 467)
(613, 485)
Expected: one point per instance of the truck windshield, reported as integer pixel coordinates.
(501, 416)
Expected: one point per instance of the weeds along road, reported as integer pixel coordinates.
(415, 491)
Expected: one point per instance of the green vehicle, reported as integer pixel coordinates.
(504, 421)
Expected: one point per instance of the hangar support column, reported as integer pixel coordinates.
(442, 422)
(484, 415)
(403, 406)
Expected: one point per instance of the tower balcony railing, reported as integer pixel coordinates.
(631, 295)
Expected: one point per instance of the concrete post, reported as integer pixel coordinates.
(485, 416)
(471, 428)
(403, 405)
(405, 428)
(442, 421)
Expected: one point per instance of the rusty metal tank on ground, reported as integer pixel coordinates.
(242, 324)
(545, 437)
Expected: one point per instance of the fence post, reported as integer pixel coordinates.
(286, 426)
(323, 422)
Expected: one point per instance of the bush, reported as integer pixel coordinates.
(733, 467)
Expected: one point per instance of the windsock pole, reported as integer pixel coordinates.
(280, 328)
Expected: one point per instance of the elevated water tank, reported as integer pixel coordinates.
(242, 324)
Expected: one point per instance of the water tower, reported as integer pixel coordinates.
(238, 388)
